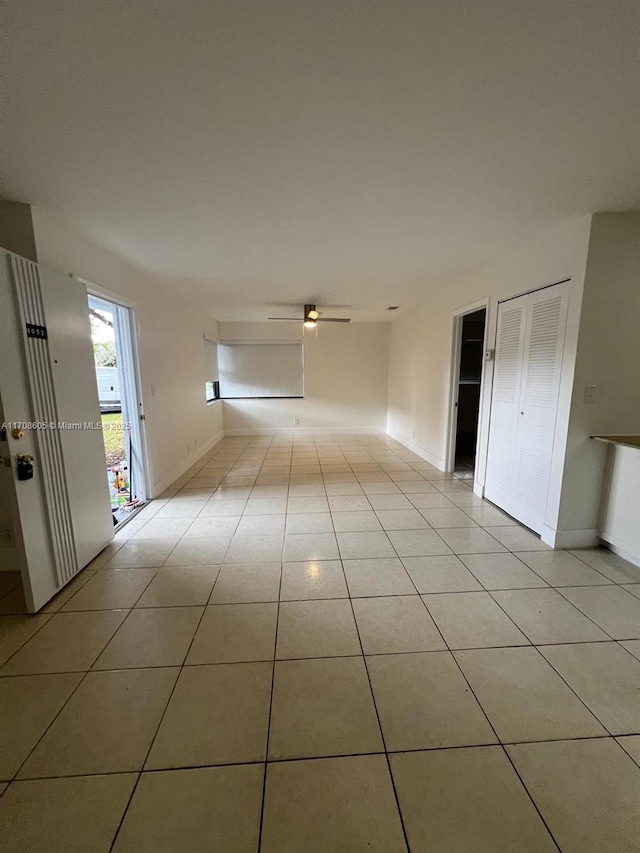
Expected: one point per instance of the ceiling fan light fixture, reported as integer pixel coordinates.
(311, 317)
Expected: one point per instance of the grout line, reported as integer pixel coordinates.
(322, 657)
(291, 760)
(382, 737)
(582, 701)
(502, 746)
(77, 687)
(557, 643)
(266, 752)
(29, 638)
(125, 810)
(55, 717)
(435, 592)
(529, 794)
(152, 741)
(473, 693)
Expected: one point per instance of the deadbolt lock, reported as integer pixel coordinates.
(24, 464)
(17, 434)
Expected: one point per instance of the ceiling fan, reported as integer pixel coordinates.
(312, 317)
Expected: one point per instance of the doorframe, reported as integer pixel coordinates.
(456, 343)
(123, 302)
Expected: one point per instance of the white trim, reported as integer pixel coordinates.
(454, 372)
(163, 485)
(307, 430)
(478, 489)
(621, 548)
(103, 292)
(137, 388)
(456, 340)
(229, 342)
(570, 538)
(417, 449)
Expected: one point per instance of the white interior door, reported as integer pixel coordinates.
(505, 401)
(529, 352)
(48, 383)
(542, 366)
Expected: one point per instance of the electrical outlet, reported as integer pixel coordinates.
(296, 421)
(153, 389)
(590, 393)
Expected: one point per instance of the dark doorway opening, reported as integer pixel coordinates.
(468, 394)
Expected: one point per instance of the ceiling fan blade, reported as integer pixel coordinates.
(333, 320)
(290, 319)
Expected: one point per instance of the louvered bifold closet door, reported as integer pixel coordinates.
(541, 373)
(505, 401)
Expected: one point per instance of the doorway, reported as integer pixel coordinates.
(469, 333)
(120, 406)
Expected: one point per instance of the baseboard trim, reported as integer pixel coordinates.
(621, 548)
(417, 449)
(562, 539)
(306, 431)
(162, 485)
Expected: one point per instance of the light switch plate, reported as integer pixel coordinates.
(590, 393)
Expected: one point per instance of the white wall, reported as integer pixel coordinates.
(609, 357)
(180, 426)
(620, 525)
(16, 229)
(421, 344)
(345, 380)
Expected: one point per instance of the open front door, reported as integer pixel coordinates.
(59, 499)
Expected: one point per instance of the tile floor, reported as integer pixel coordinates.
(324, 644)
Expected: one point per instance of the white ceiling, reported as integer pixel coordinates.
(339, 151)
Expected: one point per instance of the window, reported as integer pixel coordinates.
(211, 385)
(260, 370)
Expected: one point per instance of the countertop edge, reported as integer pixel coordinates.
(624, 440)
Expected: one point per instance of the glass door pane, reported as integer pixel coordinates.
(119, 406)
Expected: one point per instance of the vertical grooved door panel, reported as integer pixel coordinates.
(505, 401)
(62, 513)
